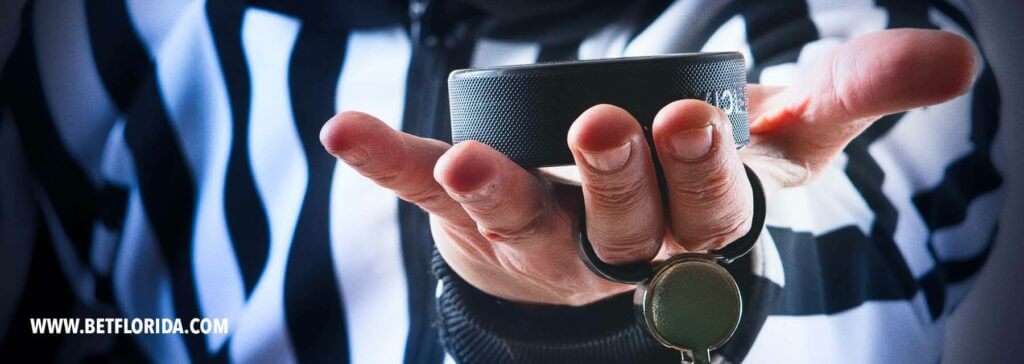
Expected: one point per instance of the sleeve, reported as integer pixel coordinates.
(478, 328)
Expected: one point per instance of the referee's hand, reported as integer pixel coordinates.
(511, 233)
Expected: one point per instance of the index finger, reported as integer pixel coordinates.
(394, 160)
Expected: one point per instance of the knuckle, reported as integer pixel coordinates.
(384, 176)
(382, 169)
(620, 245)
(519, 230)
(718, 232)
(623, 249)
(485, 206)
(424, 196)
(841, 94)
(616, 194)
(710, 190)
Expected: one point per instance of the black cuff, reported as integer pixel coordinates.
(479, 328)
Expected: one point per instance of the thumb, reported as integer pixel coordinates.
(866, 78)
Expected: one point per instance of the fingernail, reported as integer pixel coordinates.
(609, 159)
(691, 144)
(353, 156)
(478, 193)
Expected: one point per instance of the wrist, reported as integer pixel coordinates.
(477, 327)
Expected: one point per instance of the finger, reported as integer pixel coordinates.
(874, 75)
(620, 189)
(394, 160)
(710, 201)
(510, 206)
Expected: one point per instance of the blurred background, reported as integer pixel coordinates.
(986, 328)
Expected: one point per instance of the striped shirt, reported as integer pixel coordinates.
(161, 159)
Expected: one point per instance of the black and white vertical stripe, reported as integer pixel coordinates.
(176, 171)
